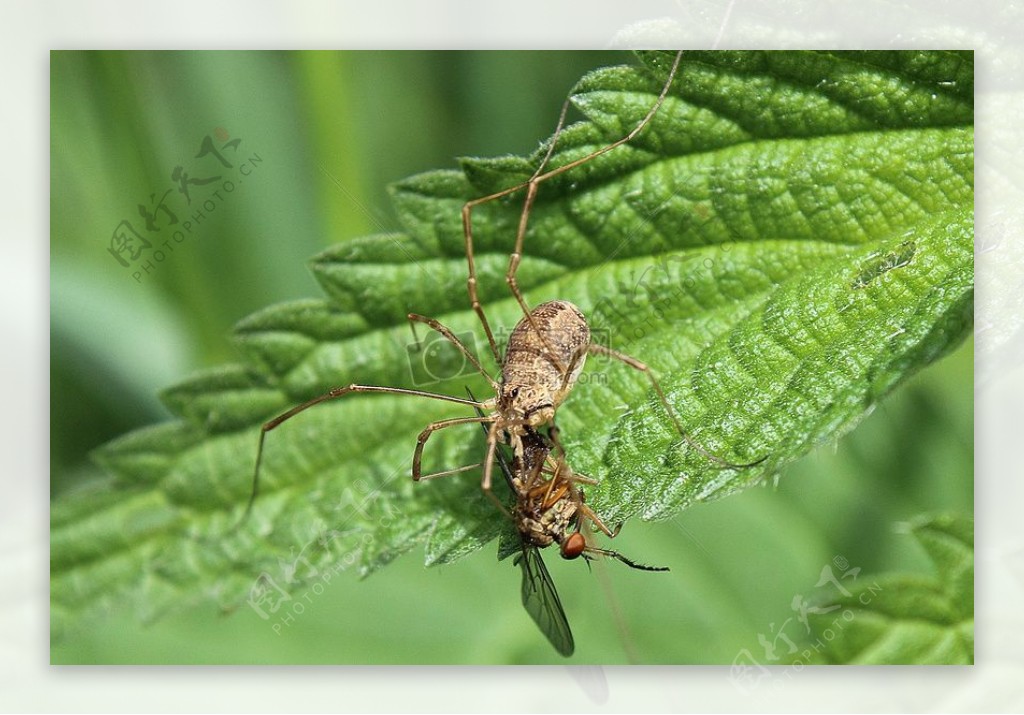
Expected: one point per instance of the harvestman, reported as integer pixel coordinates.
(544, 355)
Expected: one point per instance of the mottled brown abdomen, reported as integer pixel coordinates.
(541, 369)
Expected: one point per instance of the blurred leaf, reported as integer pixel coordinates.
(903, 619)
(788, 240)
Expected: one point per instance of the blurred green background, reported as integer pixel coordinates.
(332, 130)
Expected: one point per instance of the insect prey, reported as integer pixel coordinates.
(550, 508)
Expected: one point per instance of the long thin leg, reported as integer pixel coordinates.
(467, 230)
(515, 442)
(585, 512)
(550, 492)
(492, 448)
(331, 395)
(559, 465)
(577, 478)
(451, 337)
(642, 367)
(434, 427)
(531, 186)
(491, 433)
(616, 555)
(596, 521)
(446, 472)
(630, 136)
(578, 543)
(534, 182)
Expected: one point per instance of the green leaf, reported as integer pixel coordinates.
(786, 242)
(903, 619)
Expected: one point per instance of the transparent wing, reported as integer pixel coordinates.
(540, 599)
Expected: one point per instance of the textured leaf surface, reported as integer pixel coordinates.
(905, 619)
(787, 241)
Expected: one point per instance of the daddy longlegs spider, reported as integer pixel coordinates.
(544, 355)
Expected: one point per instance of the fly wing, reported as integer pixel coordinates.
(540, 599)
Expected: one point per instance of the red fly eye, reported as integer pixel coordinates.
(573, 546)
